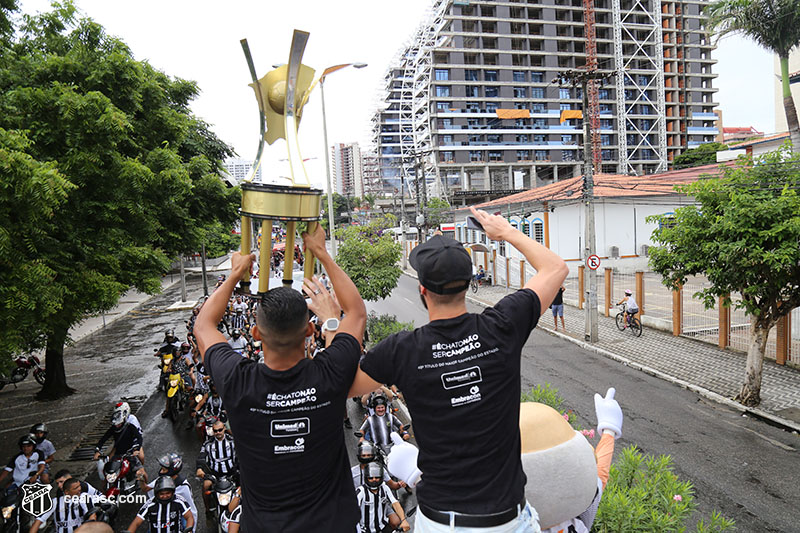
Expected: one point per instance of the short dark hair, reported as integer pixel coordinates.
(448, 299)
(71, 482)
(282, 318)
(62, 473)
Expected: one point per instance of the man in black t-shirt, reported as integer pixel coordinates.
(461, 378)
(558, 308)
(287, 413)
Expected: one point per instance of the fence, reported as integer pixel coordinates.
(661, 308)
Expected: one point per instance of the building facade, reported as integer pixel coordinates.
(347, 169)
(239, 169)
(472, 100)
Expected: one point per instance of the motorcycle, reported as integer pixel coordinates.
(177, 396)
(119, 474)
(25, 364)
(220, 495)
(166, 368)
(11, 520)
(205, 426)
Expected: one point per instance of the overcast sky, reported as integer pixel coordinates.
(199, 40)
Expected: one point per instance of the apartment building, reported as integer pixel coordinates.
(472, 100)
(347, 174)
(239, 169)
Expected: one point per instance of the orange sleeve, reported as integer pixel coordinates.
(603, 453)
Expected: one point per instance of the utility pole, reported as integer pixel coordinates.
(403, 217)
(584, 78)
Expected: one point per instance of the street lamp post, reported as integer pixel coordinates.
(327, 71)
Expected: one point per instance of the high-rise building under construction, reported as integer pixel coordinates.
(471, 101)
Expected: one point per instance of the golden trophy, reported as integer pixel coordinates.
(281, 95)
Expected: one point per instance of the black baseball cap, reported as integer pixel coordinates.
(439, 261)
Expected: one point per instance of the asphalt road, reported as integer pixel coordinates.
(742, 467)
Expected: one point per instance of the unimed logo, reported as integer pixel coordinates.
(291, 427)
(461, 378)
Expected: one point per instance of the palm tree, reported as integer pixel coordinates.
(773, 24)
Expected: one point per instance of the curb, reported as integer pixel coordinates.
(770, 418)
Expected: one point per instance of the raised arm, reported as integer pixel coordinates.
(551, 270)
(205, 327)
(355, 312)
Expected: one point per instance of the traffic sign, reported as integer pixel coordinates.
(593, 262)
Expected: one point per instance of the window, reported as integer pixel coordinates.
(490, 75)
(519, 75)
(602, 94)
(537, 77)
(443, 106)
(538, 108)
(565, 107)
(490, 107)
(474, 139)
(495, 156)
(540, 139)
(471, 75)
(493, 138)
(442, 74)
(539, 123)
(442, 90)
(567, 155)
(447, 139)
(563, 93)
(538, 232)
(447, 123)
(448, 157)
(566, 139)
(523, 138)
(473, 122)
(472, 91)
(491, 92)
(605, 139)
(520, 92)
(475, 155)
(537, 92)
(521, 123)
(473, 107)
(541, 155)
(606, 123)
(523, 155)
(526, 228)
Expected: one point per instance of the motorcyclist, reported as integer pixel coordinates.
(237, 341)
(162, 512)
(127, 437)
(22, 464)
(212, 404)
(229, 499)
(239, 318)
(62, 475)
(218, 457)
(171, 464)
(366, 454)
(39, 432)
(378, 427)
(378, 505)
(70, 509)
(171, 347)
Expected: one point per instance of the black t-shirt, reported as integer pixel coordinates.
(460, 378)
(559, 299)
(289, 437)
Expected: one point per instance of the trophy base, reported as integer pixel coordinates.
(280, 202)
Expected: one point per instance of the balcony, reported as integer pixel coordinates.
(702, 131)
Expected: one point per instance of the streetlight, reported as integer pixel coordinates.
(321, 82)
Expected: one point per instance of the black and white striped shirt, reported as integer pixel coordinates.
(68, 512)
(220, 454)
(164, 517)
(375, 508)
(213, 406)
(231, 518)
(378, 428)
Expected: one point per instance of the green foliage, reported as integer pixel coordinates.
(369, 255)
(437, 212)
(773, 25)
(705, 154)
(140, 173)
(340, 210)
(381, 326)
(742, 236)
(220, 240)
(644, 495)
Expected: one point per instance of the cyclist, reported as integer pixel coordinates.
(631, 307)
(378, 505)
(163, 513)
(39, 431)
(170, 465)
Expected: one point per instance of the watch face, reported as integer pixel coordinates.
(332, 324)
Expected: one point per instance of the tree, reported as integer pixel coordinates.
(437, 212)
(141, 169)
(742, 235)
(339, 210)
(774, 25)
(705, 154)
(369, 255)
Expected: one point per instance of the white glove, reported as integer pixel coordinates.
(609, 414)
(403, 461)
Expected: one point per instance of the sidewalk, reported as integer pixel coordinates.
(703, 368)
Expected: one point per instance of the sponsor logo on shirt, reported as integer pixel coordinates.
(299, 446)
(473, 396)
(462, 378)
(290, 427)
(449, 349)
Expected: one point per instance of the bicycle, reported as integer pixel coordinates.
(625, 320)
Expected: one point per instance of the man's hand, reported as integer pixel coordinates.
(496, 227)
(322, 303)
(316, 242)
(241, 264)
(404, 525)
(96, 456)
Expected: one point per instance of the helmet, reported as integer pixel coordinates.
(237, 333)
(27, 439)
(172, 462)
(628, 292)
(378, 399)
(366, 452)
(373, 470)
(185, 345)
(164, 483)
(224, 489)
(39, 428)
(121, 412)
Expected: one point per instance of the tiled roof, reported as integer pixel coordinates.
(753, 142)
(609, 186)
